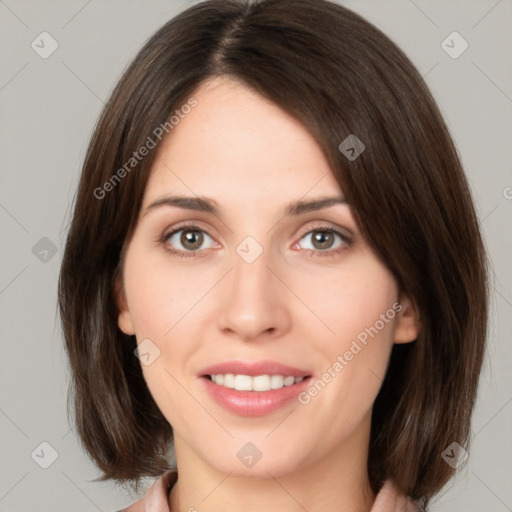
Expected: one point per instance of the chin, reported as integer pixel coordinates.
(251, 462)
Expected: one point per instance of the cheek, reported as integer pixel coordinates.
(160, 303)
(160, 295)
(357, 305)
(351, 299)
(164, 303)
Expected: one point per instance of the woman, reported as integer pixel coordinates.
(274, 267)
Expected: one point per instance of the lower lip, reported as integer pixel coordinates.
(254, 403)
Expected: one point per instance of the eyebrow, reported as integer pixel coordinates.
(205, 204)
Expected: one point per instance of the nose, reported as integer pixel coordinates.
(253, 303)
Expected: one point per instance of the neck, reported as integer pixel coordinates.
(337, 481)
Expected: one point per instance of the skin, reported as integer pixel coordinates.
(296, 303)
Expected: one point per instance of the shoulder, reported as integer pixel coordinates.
(156, 497)
(390, 499)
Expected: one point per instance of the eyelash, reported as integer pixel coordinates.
(347, 242)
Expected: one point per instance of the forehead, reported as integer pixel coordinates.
(236, 142)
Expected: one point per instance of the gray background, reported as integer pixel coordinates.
(48, 110)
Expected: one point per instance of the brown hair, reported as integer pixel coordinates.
(338, 75)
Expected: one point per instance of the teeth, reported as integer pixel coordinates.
(243, 383)
(229, 380)
(288, 381)
(260, 383)
(256, 383)
(276, 381)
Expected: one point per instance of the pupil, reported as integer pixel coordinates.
(322, 240)
(192, 239)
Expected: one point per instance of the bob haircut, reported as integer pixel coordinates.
(338, 75)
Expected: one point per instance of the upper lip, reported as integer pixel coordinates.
(254, 368)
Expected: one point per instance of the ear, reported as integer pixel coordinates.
(124, 319)
(407, 325)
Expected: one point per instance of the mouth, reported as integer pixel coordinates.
(254, 389)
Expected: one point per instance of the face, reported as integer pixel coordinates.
(265, 317)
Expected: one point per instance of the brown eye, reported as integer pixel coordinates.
(323, 240)
(188, 239)
(191, 240)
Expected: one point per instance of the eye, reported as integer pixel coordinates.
(323, 239)
(187, 239)
(192, 240)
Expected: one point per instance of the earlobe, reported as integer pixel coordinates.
(407, 326)
(124, 319)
